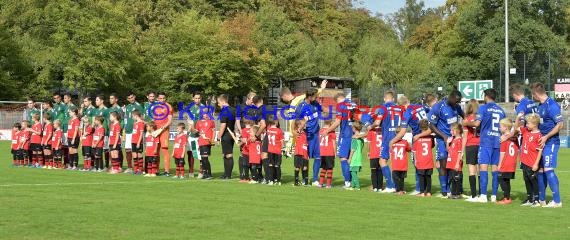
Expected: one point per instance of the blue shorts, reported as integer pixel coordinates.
(385, 151)
(343, 149)
(489, 156)
(313, 146)
(549, 155)
(441, 151)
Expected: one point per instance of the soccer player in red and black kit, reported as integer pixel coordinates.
(531, 152)
(86, 142)
(275, 140)
(73, 138)
(301, 153)
(507, 161)
(115, 141)
(454, 163)
(399, 157)
(56, 144)
(327, 145)
(254, 157)
(46, 141)
(205, 127)
(471, 148)
(151, 152)
(374, 138)
(24, 145)
(98, 142)
(423, 154)
(14, 146)
(244, 149)
(36, 141)
(137, 142)
(179, 150)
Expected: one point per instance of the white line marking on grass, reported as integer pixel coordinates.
(66, 184)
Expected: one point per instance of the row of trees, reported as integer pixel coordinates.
(103, 46)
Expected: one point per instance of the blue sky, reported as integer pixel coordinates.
(390, 6)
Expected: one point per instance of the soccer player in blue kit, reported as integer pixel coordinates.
(488, 119)
(441, 116)
(308, 112)
(345, 137)
(388, 116)
(551, 122)
(412, 116)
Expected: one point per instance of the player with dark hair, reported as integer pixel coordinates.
(550, 125)
(307, 112)
(389, 117)
(227, 126)
(488, 118)
(345, 135)
(441, 116)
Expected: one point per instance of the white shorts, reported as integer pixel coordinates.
(64, 139)
(128, 141)
(106, 143)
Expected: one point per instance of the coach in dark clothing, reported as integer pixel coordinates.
(227, 129)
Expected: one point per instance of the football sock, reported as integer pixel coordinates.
(388, 175)
(374, 178)
(316, 168)
(473, 185)
(345, 168)
(129, 159)
(278, 173)
(541, 186)
(483, 180)
(495, 184)
(296, 175)
(305, 175)
(322, 178)
(329, 177)
(428, 183)
(554, 185)
(417, 181)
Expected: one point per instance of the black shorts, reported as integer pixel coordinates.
(151, 159)
(327, 162)
(227, 146)
(274, 159)
(24, 153)
(265, 144)
(46, 147)
(375, 163)
(472, 155)
(14, 153)
(179, 161)
(300, 162)
(86, 151)
(57, 153)
(36, 147)
(454, 175)
(117, 148)
(507, 175)
(136, 149)
(425, 172)
(206, 150)
(75, 143)
(244, 160)
(400, 174)
(97, 152)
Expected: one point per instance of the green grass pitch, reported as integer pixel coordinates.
(59, 204)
